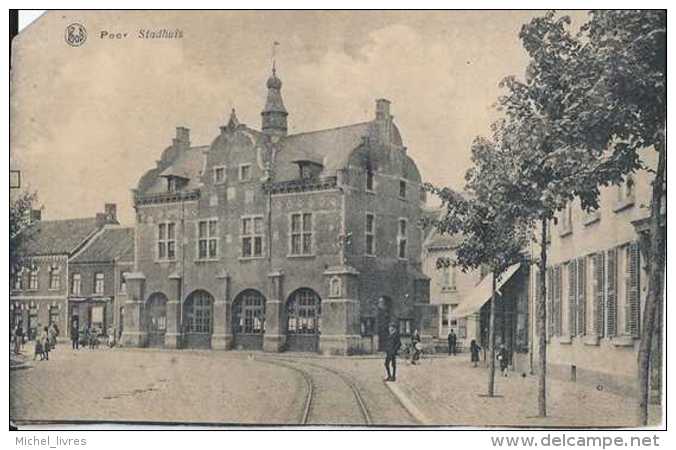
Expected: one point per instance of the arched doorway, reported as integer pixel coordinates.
(383, 319)
(156, 319)
(248, 320)
(198, 319)
(304, 312)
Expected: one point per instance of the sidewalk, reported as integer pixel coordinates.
(448, 392)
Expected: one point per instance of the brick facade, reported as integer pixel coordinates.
(260, 239)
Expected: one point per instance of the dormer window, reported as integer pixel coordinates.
(308, 170)
(175, 183)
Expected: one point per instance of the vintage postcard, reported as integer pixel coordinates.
(338, 218)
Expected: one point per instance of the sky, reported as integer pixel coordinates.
(86, 122)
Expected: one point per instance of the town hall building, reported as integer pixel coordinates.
(280, 242)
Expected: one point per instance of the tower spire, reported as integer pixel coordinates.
(274, 113)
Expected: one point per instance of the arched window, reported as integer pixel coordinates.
(249, 313)
(198, 312)
(304, 312)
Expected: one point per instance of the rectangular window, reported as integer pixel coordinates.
(402, 238)
(98, 283)
(252, 237)
(18, 281)
(207, 239)
(625, 194)
(369, 180)
(566, 220)
(219, 174)
(33, 283)
(370, 234)
(405, 327)
(448, 278)
(402, 188)
(76, 286)
(368, 326)
(97, 317)
(54, 279)
(301, 234)
(166, 241)
(244, 172)
(445, 312)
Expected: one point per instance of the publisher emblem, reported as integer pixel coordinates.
(76, 34)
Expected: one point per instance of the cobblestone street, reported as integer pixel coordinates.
(240, 387)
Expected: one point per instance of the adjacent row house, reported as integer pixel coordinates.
(62, 272)
(597, 286)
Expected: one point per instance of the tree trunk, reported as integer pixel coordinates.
(491, 342)
(655, 286)
(541, 312)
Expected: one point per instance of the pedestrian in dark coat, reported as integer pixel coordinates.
(46, 345)
(503, 357)
(392, 346)
(18, 339)
(452, 343)
(75, 336)
(38, 347)
(474, 350)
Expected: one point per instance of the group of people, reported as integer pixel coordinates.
(45, 340)
(393, 344)
(91, 337)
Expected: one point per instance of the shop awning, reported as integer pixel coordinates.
(482, 293)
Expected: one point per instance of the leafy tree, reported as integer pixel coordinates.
(492, 235)
(19, 219)
(624, 110)
(541, 133)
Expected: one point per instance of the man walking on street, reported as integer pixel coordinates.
(75, 335)
(391, 348)
(452, 342)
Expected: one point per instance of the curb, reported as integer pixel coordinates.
(21, 366)
(408, 404)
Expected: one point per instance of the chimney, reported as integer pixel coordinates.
(383, 120)
(383, 109)
(110, 210)
(182, 137)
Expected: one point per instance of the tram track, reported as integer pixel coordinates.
(310, 409)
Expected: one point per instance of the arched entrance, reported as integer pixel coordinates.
(248, 320)
(156, 319)
(383, 319)
(304, 311)
(198, 319)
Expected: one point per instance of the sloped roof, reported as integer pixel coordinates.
(110, 244)
(54, 237)
(188, 164)
(331, 148)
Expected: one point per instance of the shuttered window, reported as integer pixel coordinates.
(572, 298)
(632, 294)
(611, 294)
(582, 296)
(550, 304)
(558, 287)
(599, 304)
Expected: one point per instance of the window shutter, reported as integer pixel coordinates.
(538, 280)
(582, 296)
(633, 291)
(572, 298)
(599, 307)
(611, 297)
(550, 303)
(558, 325)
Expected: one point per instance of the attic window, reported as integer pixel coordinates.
(308, 169)
(175, 183)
